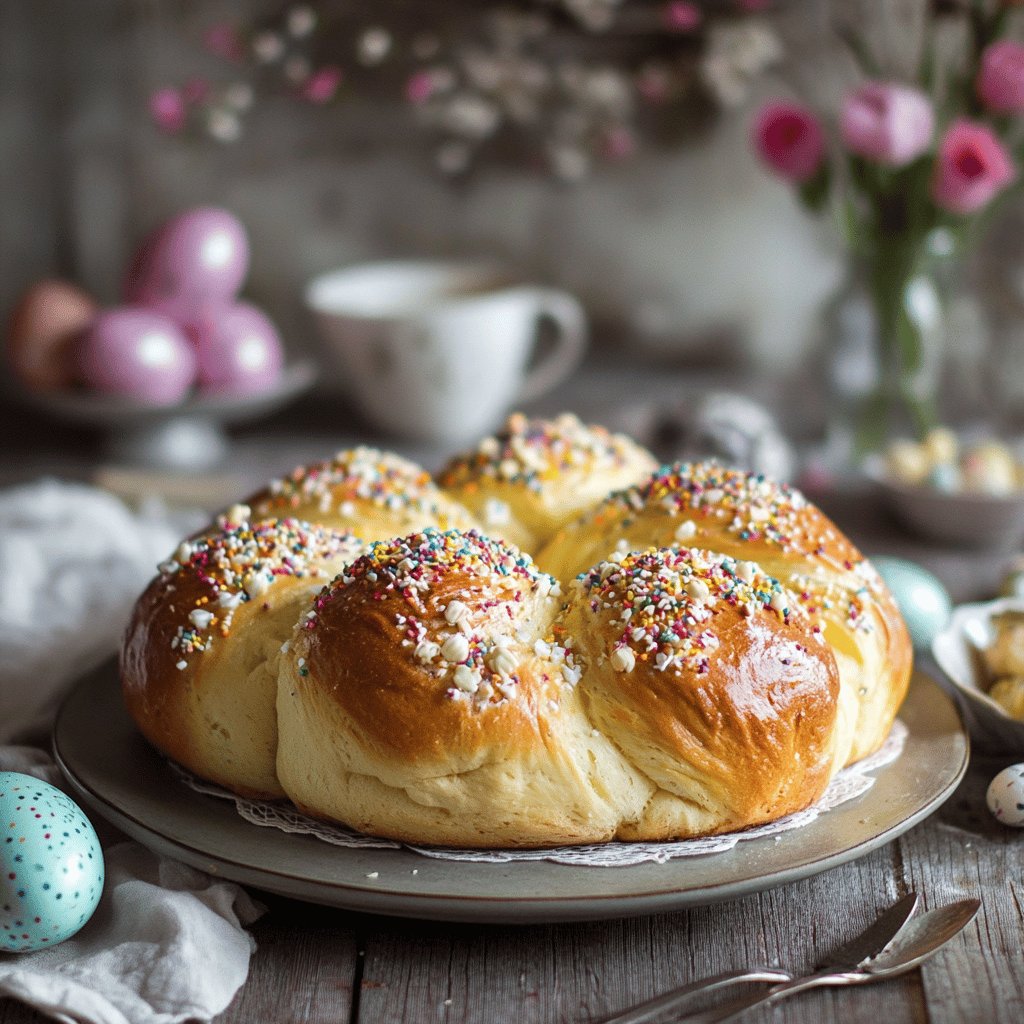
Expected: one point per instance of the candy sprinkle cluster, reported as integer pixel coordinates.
(529, 453)
(240, 562)
(473, 653)
(358, 474)
(409, 565)
(758, 508)
(665, 601)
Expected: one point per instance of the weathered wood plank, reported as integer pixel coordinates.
(584, 972)
(304, 970)
(963, 853)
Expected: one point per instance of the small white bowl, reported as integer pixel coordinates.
(957, 650)
(963, 518)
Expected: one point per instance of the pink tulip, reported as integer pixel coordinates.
(971, 167)
(788, 137)
(1000, 82)
(887, 122)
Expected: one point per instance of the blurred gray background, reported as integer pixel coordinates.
(680, 248)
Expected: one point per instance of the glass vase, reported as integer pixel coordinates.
(898, 325)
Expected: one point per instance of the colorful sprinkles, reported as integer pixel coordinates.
(757, 508)
(529, 453)
(239, 563)
(477, 652)
(664, 602)
(353, 476)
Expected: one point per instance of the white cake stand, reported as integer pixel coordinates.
(190, 435)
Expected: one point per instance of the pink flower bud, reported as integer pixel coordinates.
(887, 122)
(195, 90)
(681, 16)
(223, 40)
(1000, 82)
(167, 108)
(788, 137)
(420, 87)
(618, 143)
(322, 85)
(971, 167)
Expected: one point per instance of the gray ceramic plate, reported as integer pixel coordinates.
(115, 772)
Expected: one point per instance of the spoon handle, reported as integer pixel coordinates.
(660, 1004)
(789, 988)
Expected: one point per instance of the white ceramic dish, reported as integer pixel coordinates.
(118, 775)
(956, 650)
(963, 518)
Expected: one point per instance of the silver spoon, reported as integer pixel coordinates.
(919, 939)
(871, 942)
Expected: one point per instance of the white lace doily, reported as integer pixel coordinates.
(847, 785)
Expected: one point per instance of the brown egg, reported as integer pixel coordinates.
(42, 331)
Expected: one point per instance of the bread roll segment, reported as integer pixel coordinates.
(432, 699)
(535, 475)
(751, 518)
(712, 681)
(199, 658)
(365, 491)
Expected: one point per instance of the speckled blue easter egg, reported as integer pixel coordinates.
(1005, 796)
(51, 866)
(922, 599)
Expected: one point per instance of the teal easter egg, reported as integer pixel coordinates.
(922, 599)
(51, 866)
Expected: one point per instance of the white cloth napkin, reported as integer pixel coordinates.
(167, 943)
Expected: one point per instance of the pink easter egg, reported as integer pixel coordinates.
(239, 351)
(189, 265)
(139, 354)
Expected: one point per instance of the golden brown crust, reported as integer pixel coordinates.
(364, 491)
(389, 695)
(432, 700)
(386, 645)
(535, 475)
(198, 661)
(726, 696)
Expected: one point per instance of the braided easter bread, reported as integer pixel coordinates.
(707, 651)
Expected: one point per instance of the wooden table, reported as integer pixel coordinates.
(319, 966)
(328, 967)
